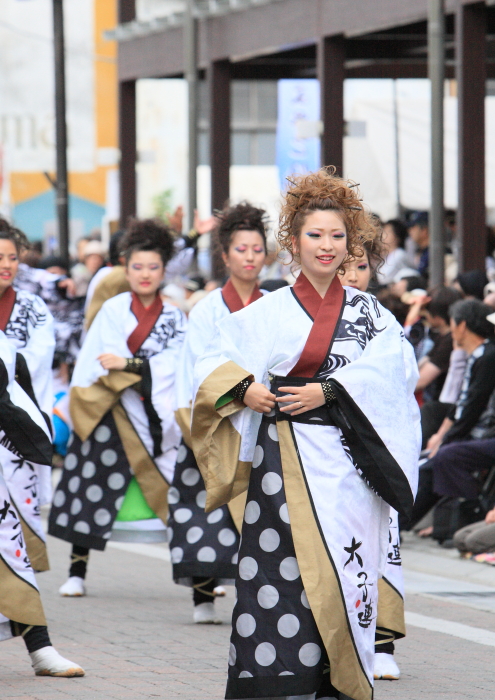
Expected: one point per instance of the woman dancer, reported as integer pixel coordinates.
(125, 437)
(21, 611)
(28, 325)
(204, 547)
(323, 453)
(390, 623)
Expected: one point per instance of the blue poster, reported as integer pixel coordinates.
(298, 100)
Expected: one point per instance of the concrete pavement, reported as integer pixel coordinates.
(134, 636)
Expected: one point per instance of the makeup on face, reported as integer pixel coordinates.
(357, 273)
(322, 244)
(246, 255)
(145, 272)
(9, 262)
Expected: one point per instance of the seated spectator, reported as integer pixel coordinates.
(463, 444)
(406, 281)
(393, 304)
(478, 537)
(433, 367)
(394, 237)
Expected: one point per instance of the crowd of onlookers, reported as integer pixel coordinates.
(450, 327)
(452, 331)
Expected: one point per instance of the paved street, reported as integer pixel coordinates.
(133, 632)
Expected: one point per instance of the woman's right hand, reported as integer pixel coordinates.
(259, 398)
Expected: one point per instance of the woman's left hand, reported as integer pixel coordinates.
(301, 398)
(109, 361)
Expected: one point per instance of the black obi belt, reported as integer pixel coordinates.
(317, 416)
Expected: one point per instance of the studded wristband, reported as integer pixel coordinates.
(328, 393)
(134, 364)
(239, 391)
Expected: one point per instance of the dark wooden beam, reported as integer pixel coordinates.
(219, 76)
(471, 87)
(126, 11)
(331, 74)
(219, 79)
(128, 150)
(127, 129)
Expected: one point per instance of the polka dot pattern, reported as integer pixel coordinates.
(59, 499)
(109, 458)
(208, 541)
(207, 554)
(252, 512)
(88, 470)
(271, 483)
(93, 486)
(273, 630)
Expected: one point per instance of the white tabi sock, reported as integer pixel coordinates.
(73, 588)
(386, 668)
(48, 662)
(204, 614)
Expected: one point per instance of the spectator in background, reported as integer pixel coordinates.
(54, 264)
(94, 258)
(461, 445)
(393, 239)
(407, 280)
(434, 366)
(471, 284)
(479, 537)
(419, 233)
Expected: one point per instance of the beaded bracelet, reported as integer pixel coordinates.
(328, 393)
(239, 391)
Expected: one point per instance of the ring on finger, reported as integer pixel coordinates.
(300, 405)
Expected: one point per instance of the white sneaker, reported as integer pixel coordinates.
(385, 668)
(48, 662)
(204, 614)
(219, 591)
(73, 587)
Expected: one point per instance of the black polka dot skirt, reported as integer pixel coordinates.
(91, 491)
(276, 649)
(201, 544)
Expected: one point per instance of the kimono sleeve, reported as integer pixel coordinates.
(224, 436)
(38, 353)
(160, 386)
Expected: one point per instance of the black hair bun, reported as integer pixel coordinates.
(148, 235)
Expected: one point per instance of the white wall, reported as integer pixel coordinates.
(371, 161)
(27, 85)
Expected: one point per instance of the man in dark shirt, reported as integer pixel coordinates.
(434, 366)
(463, 444)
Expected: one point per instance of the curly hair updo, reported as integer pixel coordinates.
(242, 217)
(324, 191)
(147, 235)
(11, 233)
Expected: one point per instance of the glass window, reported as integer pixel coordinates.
(241, 148)
(203, 101)
(203, 148)
(265, 148)
(267, 101)
(240, 101)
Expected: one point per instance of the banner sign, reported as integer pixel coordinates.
(298, 102)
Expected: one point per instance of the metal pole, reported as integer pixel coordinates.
(436, 72)
(191, 75)
(397, 152)
(61, 131)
